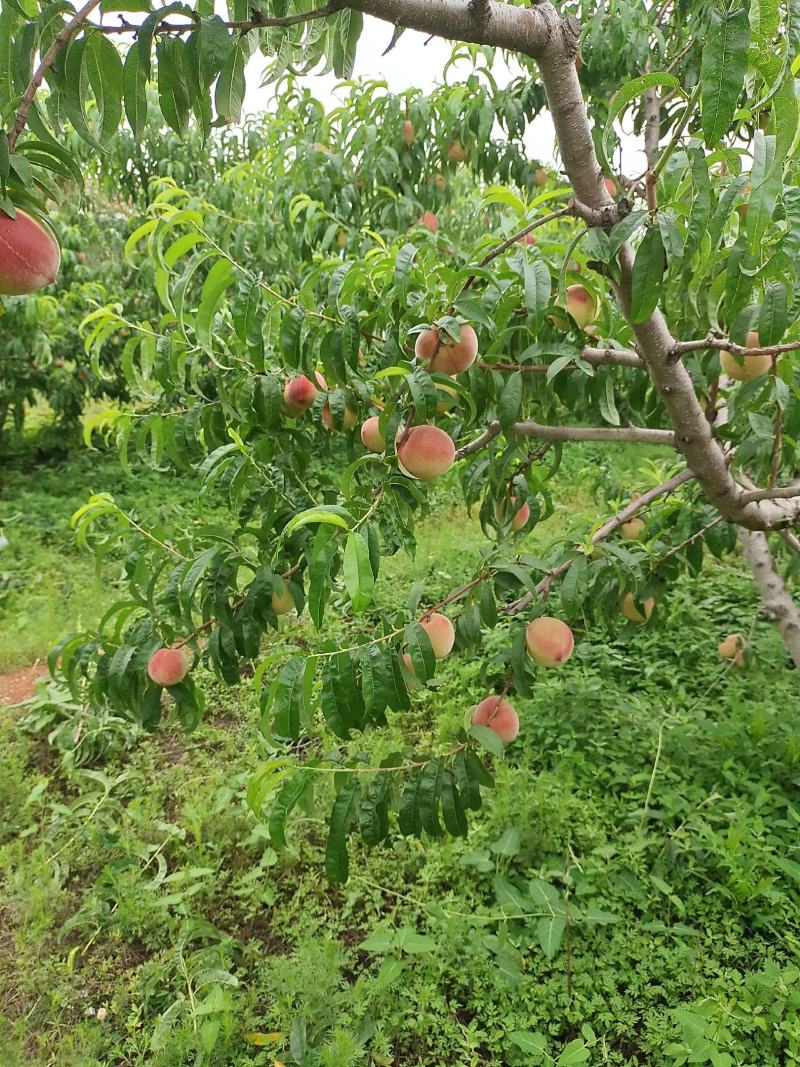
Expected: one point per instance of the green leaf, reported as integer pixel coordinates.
(343, 815)
(453, 812)
(420, 650)
(173, 91)
(537, 286)
(430, 786)
(573, 1054)
(509, 405)
(214, 48)
(329, 513)
(218, 279)
(575, 585)
(550, 931)
(229, 93)
(648, 274)
(287, 798)
(529, 1041)
(773, 314)
(134, 85)
(488, 739)
(633, 90)
(104, 69)
(722, 70)
(359, 579)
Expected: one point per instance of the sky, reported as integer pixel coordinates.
(413, 62)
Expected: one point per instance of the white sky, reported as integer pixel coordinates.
(412, 63)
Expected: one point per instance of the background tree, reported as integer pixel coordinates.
(662, 315)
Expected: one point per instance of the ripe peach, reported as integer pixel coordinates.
(426, 452)
(298, 395)
(371, 435)
(527, 239)
(633, 529)
(498, 715)
(450, 357)
(408, 131)
(430, 220)
(541, 177)
(457, 152)
(168, 666)
(733, 648)
(29, 255)
(441, 633)
(81, 257)
(550, 641)
(581, 305)
(745, 368)
(350, 418)
(630, 608)
(282, 600)
(611, 187)
(520, 517)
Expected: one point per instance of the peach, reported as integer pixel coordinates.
(550, 641)
(448, 398)
(445, 355)
(541, 177)
(441, 633)
(282, 600)
(168, 666)
(611, 187)
(430, 220)
(440, 182)
(527, 239)
(371, 435)
(426, 452)
(29, 255)
(350, 418)
(498, 715)
(298, 395)
(581, 305)
(341, 239)
(633, 529)
(520, 517)
(408, 131)
(745, 368)
(630, 608)
(457, 153)
(733, 648)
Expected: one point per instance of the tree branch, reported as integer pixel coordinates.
(544, 586)
(263, 22)
(781, 492)
(62, 38)
(723, 344)
(529, 428)
(778, 603)
(598, 357)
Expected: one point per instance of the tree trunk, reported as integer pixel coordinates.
(778, 602)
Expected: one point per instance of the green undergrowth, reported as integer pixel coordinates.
(653, 799)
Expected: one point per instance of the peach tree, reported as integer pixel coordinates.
(370, 297)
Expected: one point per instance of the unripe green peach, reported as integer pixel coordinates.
(444, 355)
(498, 715)
(746, 368)
(633, 529)
(550, 641)
(168, 666)
(441, 634)
(581, 305)
(426, 452)
(630, 608)
(282, 600)
(371, 434)
(29, 255)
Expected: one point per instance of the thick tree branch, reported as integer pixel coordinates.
(612, 434)
(778, 603)
(62, 38)
(598, 357)
(652, 125)
(781, 492)
(723, 344)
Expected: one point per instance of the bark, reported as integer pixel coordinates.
(778, 602)
(652, 125)
(545, 432)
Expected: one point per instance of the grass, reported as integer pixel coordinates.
(147, 917)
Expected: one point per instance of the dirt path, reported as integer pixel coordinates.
(19, 685)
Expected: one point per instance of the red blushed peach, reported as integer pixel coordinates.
(350, 418)
(442, 354)
(745, 368)
(498, 715)
(168, 666)
(521, 515)
(282, 600)
(581, 305)
(630, 608)
(611, 187)
(371, 434)
(441, 634)
(430, 220)
(29, 255)
(408, 131)
(527, 239)
(550, 641)
(426, 452)
(298, 395)
(457, 153)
